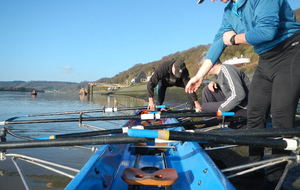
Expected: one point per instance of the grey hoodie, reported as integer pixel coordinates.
(235, 86)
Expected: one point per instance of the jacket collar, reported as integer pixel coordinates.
(241, 3)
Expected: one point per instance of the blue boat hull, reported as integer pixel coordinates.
(195, 168)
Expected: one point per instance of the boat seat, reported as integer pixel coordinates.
(163, 177)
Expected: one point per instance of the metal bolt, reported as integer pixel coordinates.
(97, 171)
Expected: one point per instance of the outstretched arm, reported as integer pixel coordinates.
(196, 81)
(150, 89)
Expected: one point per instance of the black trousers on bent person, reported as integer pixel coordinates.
(211, 102)
(276, 86)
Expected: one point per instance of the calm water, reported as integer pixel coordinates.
(21, 104)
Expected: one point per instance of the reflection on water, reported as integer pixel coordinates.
(21, 104)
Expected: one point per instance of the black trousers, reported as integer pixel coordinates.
(211, 101)
(275, 86)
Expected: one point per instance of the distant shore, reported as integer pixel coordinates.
(20, 89)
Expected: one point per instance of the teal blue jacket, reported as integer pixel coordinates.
(266, 23)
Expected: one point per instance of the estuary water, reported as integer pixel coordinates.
(21, 104)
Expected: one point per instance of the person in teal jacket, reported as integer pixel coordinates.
(271, 28)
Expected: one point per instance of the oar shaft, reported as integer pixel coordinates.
(66, 113)
(116, 131)
(71, 119)
(112, 109)
(72, 142)
(104, 109)
(82, 134)
(125, 117)
(267, 132)
(219, 139)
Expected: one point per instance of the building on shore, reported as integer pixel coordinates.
(83, 91)
(237, 61)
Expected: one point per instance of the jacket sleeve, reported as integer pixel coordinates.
(266, 15)
(217, 47)
(152, 84)
(237, 91)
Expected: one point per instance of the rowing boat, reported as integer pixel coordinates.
(168, 165)
(131, 158)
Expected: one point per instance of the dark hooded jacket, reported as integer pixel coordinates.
(164, 74)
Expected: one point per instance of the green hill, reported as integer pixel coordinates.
(50, 86)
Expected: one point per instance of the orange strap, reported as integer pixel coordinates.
(164, 177)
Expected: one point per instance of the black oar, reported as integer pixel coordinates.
(104, 110)
(218, 139)
(267, 132)
(155, 115)
(121, 130)
(72, 142)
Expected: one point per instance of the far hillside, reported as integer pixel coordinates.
(191, 56)
(41, 86)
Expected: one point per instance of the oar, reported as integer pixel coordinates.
(266, 132)
(149, 116)
(72, 142)
(104, 110)
(121, 130)
(287, 144)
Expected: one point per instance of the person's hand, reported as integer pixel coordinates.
(198, 107)
(212, 86)
(151, 104)
(227, 36)
(193, 85)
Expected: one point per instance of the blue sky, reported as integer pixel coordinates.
(85, 40)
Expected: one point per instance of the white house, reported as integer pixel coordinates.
(237, 61)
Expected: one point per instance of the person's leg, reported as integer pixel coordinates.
(211, 101)
(259, 100)
(209, 96)
(286, 89)
(161, 92)
(240, 112)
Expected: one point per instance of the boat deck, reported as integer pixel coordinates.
(194, 167)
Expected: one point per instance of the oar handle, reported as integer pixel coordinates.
(161, 134)
(226, 114)
(287, 144)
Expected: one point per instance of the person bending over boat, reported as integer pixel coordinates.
(271, 28)
(228, 93)
(169, 73)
